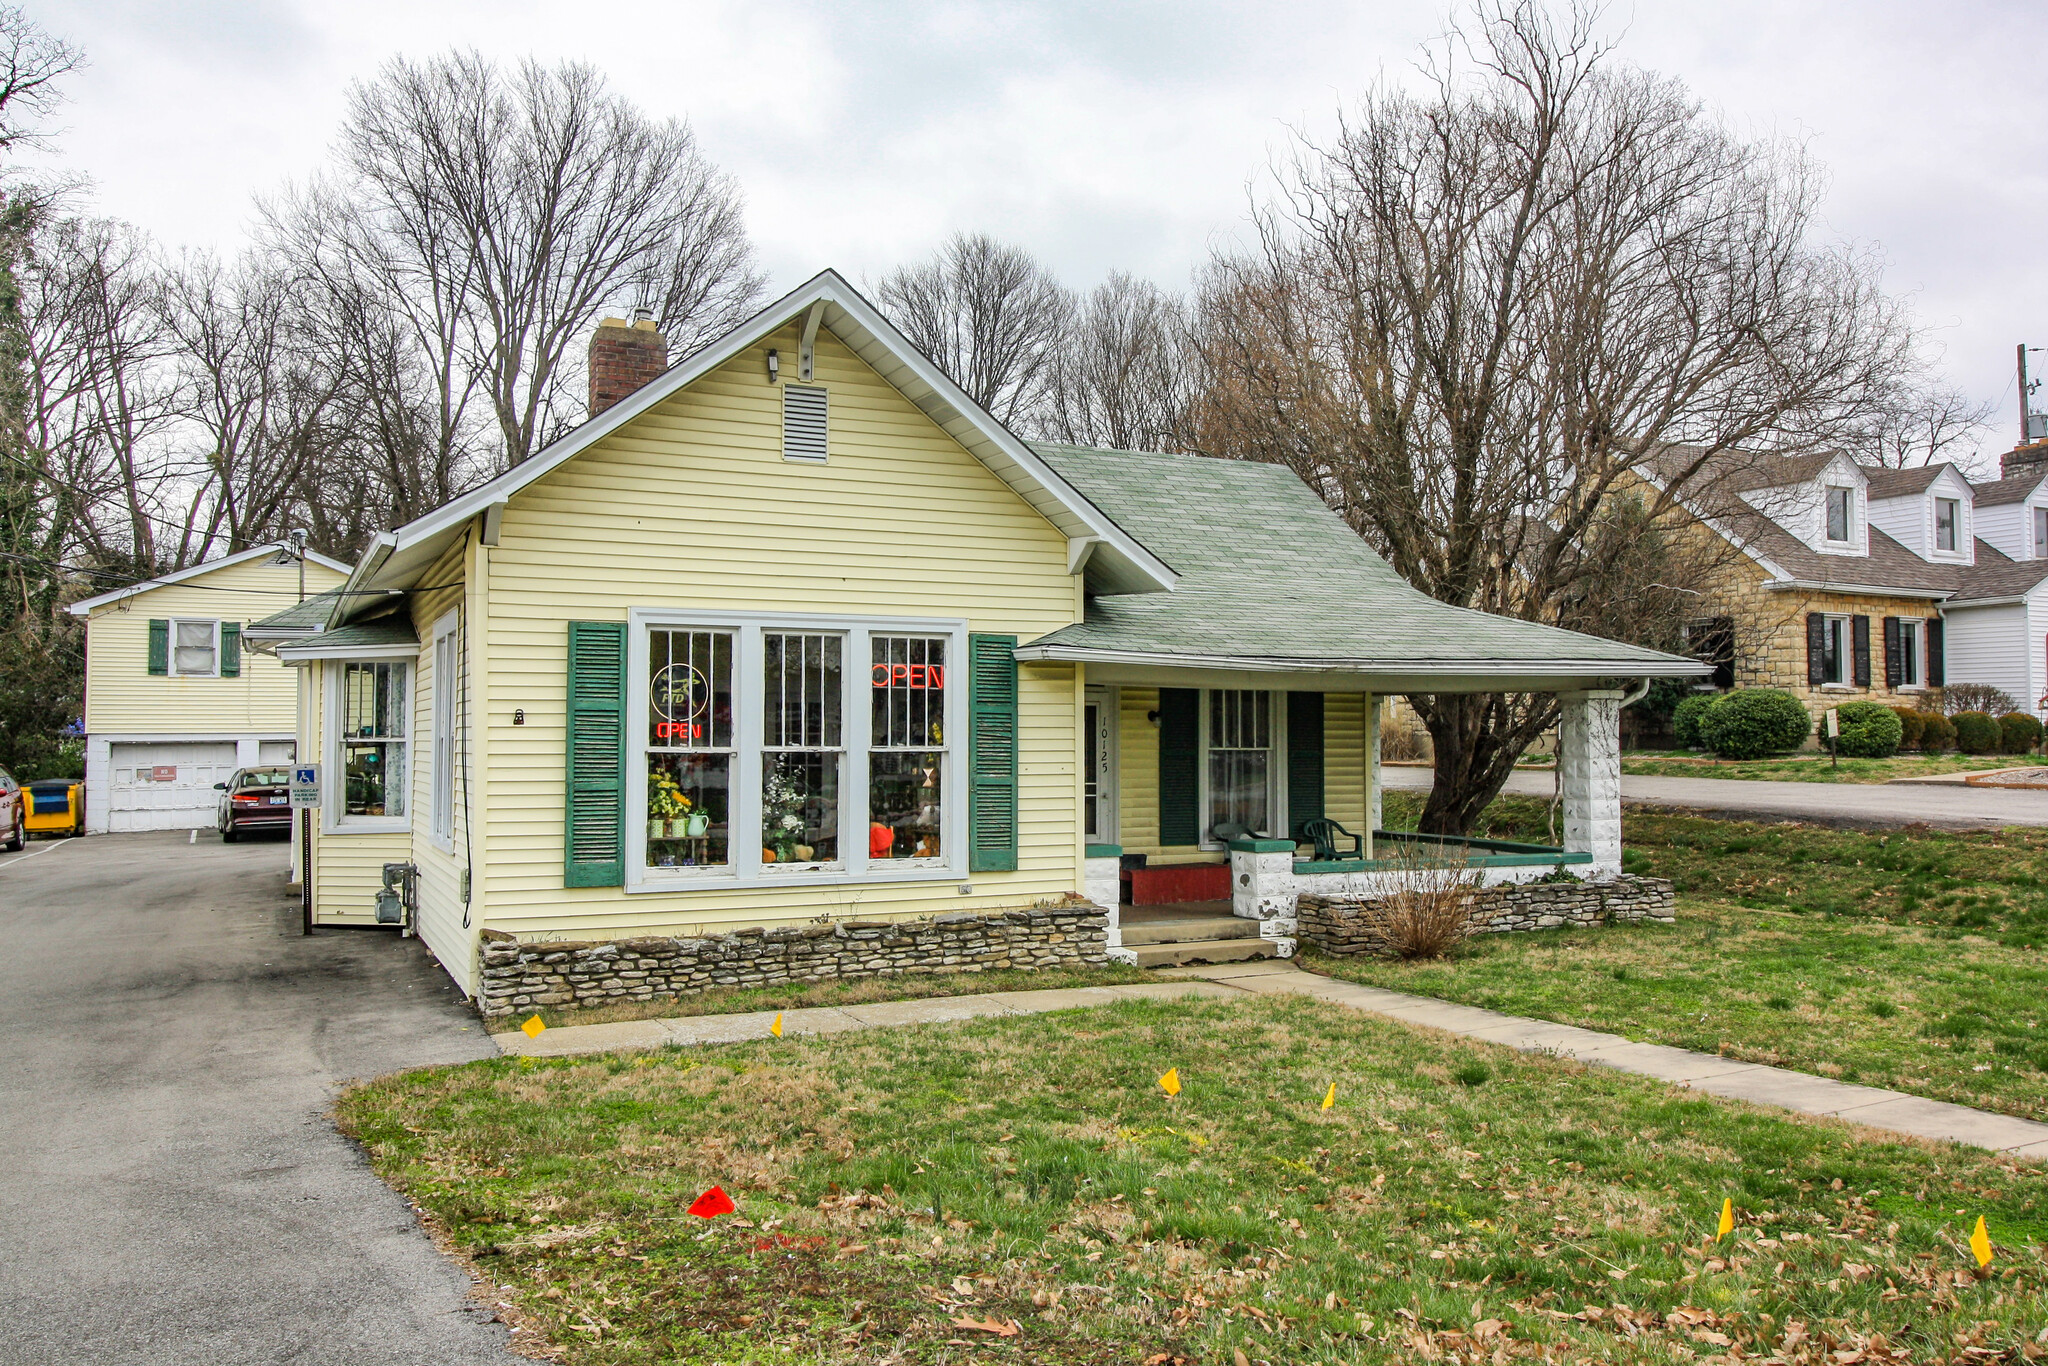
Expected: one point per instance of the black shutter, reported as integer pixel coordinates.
(1894, 658)
(1816, 649)
(1859, 645)
(1180, 765)
(594, 833)
(1304, 759)
(992, 754)
(1937, 666)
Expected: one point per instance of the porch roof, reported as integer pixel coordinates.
(1272, 580)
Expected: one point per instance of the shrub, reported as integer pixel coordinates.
(1752, 722)
(1685, 718)
(1957, 698)
(1912, 725)
(1937, 733)
(1870, 730)
(2018, 732)
(1977, 733)
(1429, 910)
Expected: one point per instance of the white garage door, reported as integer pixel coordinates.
(166, 787)
(276, 752)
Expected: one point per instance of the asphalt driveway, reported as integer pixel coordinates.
(1859, 805)
(171, 1190)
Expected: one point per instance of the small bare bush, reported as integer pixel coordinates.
(1431, 906)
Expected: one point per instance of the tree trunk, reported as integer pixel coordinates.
(1477, 738)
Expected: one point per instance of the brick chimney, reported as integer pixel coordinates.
(2027, 459)
(624, 356)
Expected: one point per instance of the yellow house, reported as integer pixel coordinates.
(793, 662)
(173, 702)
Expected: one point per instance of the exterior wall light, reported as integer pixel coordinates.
(774, 366)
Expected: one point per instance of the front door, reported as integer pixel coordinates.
(1098, 768)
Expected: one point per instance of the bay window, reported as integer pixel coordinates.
(794, 748)
(373, 738)
(1240, 762)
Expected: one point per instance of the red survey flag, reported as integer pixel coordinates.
(712, 1203)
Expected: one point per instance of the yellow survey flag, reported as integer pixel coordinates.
(1727, 1219)
(776, 1028)
(1980, 1243)
(1330, 1096)
(1170, 1083)
(532, 1028)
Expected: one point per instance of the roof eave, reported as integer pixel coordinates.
(1860, 590)
(1655, 666)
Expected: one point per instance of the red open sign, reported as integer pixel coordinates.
(677, 730)
(910, 675)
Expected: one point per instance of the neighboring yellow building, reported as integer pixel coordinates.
(795, 663)
(173, 702)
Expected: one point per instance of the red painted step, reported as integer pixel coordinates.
(1171, 883)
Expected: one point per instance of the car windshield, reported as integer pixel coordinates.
(265, 777)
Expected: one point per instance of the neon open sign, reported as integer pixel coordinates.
(909, 675)
(677, 730)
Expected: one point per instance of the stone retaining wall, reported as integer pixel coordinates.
(518, 975)
(1344, 926)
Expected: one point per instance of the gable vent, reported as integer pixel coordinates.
(803, 423)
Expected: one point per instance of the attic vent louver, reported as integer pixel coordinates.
(803, 423)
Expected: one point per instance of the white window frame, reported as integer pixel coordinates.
(2037, 527)
(1828, 492)
(1845, 654)
(1276, 765)
(441, 737)
(171, 664)
(1955, 528)
(332, 821)
(1916, 656)
(856, 726)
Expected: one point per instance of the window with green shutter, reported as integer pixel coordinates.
(992, 753)
(1304, 759)
(231, 649)
(1180, 765)
(159, 647)
(594, 834)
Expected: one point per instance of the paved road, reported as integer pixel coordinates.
(1851, 804)
(171, 1190)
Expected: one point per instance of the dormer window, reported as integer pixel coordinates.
(2041, 533)
(1947, 513)
(1838, 514)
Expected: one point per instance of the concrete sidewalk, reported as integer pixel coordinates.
(1858, 805)
(1797, 1091)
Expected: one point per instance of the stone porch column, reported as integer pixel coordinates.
(1589, 773)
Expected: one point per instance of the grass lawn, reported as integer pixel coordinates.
(902, 987)
(1815, 768)
(1021, 1190)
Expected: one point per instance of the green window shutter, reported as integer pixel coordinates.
(1180, 765)
(992, 754)
(1304, 759)
(594, 837)
(159, 646)
(231, 649)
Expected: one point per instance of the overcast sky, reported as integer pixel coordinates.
(1100, 135)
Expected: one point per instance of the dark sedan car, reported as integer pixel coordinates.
(254, 799)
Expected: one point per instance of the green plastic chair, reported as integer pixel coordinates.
(1324, 834)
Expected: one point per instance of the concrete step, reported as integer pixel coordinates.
(1202, 951)
(1188, 928)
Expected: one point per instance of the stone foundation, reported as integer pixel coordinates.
(1341, 926)
(518, 975)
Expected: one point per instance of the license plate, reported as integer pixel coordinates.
(277, 801)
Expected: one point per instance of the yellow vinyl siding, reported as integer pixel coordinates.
(123, 698)
(692, 505)
(440, 915)
(1137, 787)
(348, 866)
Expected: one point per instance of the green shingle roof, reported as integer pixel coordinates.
(380, 633)
(1269, 573)
(301, 618)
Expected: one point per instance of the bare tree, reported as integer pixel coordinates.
(496, 216)
(31, 61)
(1120, 377)
(991, 316)
(1482, 316)
(1924, 422)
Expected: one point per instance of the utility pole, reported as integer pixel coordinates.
(2025, 435)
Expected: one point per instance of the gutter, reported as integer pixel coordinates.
(1859, 590)
(1670, 666)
